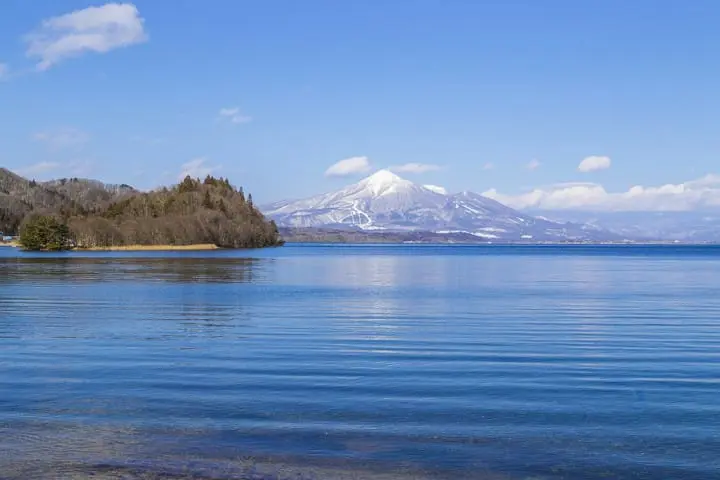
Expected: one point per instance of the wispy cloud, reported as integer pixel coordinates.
(488, 166)
(233, 115)
(148, 140)
(694, 194)
(62, 138)
(415, 168)
(534, 164)
(593, 163)
(4, 71)
(197, 168)
(37, 169)
(74, 168)
(93, 29)
(80, 168)
(349, 166)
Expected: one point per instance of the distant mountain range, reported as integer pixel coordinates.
(386, 207)
(386, 202)
(684, 226)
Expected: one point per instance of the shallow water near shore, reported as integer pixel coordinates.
(382, 362)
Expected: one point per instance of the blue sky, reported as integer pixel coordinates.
(273, 93)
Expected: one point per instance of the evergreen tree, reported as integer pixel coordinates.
(187, 185)
(44, 232)
(191, 212)
(207, 201)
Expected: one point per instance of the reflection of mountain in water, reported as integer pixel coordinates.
(105, 269)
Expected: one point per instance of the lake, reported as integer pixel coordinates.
(379, 362)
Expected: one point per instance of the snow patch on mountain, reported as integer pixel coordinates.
(385, 201)
(436, 189)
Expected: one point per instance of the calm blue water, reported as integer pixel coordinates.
(362, 362)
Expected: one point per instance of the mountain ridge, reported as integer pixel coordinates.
(20, 196)
(699, 226)
(86, 213)
(385, 201)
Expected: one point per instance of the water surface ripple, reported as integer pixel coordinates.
(387, 362)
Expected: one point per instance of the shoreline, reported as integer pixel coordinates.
(262, 467)
(150, 248)
(211, 247)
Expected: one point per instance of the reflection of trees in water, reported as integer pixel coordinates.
(173, 270)
(189, 270)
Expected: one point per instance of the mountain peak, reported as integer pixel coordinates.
(383, 177)
(385, 201)
(383, 181)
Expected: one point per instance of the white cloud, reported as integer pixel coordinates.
(93, 29)
(4, 69)
(228, 112)
(349, 166)
(37, 169)
(488, 166)
(695, 194)
(62, 138)
(415, 168)
(233, 115)
(197, 168)
(593, 163)
(533, 165)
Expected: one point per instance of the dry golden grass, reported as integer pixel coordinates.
(152, 248)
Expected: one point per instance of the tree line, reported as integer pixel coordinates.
(191, 212)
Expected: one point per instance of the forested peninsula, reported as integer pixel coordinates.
(86, 214)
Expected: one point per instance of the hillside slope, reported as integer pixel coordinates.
(19, 197)
(384, 201)
(193, 212)
(101, 215)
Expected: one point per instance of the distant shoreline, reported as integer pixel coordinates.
(150, 248)
(210, 246)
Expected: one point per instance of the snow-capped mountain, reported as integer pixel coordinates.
(385, 201)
